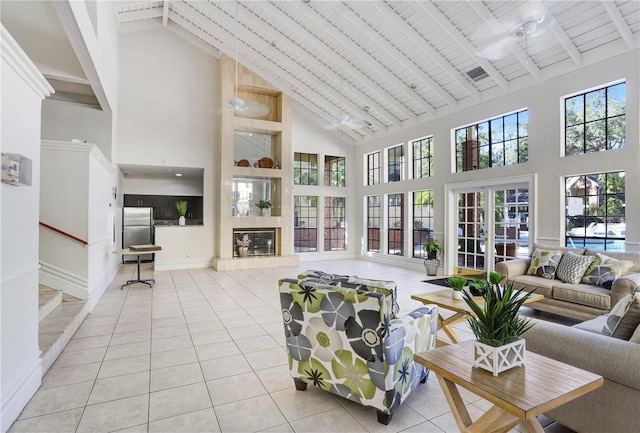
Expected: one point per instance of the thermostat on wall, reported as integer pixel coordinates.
(16, 169)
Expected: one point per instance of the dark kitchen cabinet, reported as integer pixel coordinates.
(164, 206)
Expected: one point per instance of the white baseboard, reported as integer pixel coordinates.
(168, 265)
(95, 293)
(17, 394)
(59, 279)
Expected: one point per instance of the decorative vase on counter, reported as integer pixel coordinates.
(182, 221)
(242, 251)
(265, 211)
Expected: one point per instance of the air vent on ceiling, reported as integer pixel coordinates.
(477, 74)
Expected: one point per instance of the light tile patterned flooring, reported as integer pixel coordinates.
(203, 351)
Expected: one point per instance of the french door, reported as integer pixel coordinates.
(492, 226)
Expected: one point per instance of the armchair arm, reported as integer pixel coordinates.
(623, 286)
(419, 327)
(513, 268)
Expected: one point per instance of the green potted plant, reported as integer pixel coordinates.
(497, 325)
(264, 206)
(432, 248)
(457, 284)
(182, 207)
(477, 287)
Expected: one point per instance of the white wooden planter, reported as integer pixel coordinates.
(498, 359)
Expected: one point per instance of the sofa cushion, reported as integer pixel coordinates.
(528, 283)
(583, 294)
(604, 270)
(544, 263)
(594, 325)
(572, 267)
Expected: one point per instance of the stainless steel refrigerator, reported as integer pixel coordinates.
(137, 229)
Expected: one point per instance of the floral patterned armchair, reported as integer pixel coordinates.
(342, 336)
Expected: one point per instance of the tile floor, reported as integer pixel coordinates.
(203, 352)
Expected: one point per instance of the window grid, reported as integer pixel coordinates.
(334, 224)
(334, 171)
(373, 223)
(422, 221)
(595, 205)
(395, 223)
(595, 121)
(373, 168)
(305, 169)
(422, 157)
(305, 223)
(497, 142)
(395, 164)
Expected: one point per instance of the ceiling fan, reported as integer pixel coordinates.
(343, 120)
(531, 24)
(241, 107)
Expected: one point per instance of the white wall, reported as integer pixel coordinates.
(22, 90)
(161, 186)
(167, 111)
(544, 104)
(308, 137)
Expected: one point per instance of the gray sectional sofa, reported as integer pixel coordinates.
(578, 301)
(612, 408)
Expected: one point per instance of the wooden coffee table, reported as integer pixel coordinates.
(518, 395)
(461, 310)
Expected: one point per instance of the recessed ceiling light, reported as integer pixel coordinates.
(413, 86)
(179, 174)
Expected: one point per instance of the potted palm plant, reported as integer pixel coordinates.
(182, 207)
(497, 326)
(432, 248)
(457, 284)
(264, 206)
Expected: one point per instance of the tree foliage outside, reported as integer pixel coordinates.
(305, 169)
(595, 121)
(493, 143)
(422, 157)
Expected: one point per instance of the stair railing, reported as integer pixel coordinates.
(62, 232)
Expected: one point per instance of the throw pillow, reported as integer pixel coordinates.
(544, 263)
(635, 338)
(617, 316)
(572, 267)
(604, 270)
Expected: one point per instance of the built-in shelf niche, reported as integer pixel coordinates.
(253, 147)
(247, 192)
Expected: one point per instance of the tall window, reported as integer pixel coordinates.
(395, 222)
(493, 143)
(595, 121)
(373, 223)
(334, 224)
(422, 220)
(305, 222)
(422, 157)
(395, 164)
(595, 211)
(373, 168)
(334, 170)
(305, 169)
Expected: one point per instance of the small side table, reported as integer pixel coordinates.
(149, 281)
(518, 395)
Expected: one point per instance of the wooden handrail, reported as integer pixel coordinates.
(69, 235)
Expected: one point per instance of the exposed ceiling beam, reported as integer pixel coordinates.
(286, 45)
(618, 21)
(394, 54)
(197, 37)
(252, 44)
(461, 40)
(66, 12)
(561, 36)
(316, 44)
(165, 12)
(502, 33)
(424, 46)
(350, 48)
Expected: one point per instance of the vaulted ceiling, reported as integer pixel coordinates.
(389, 64)
(398, 63)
